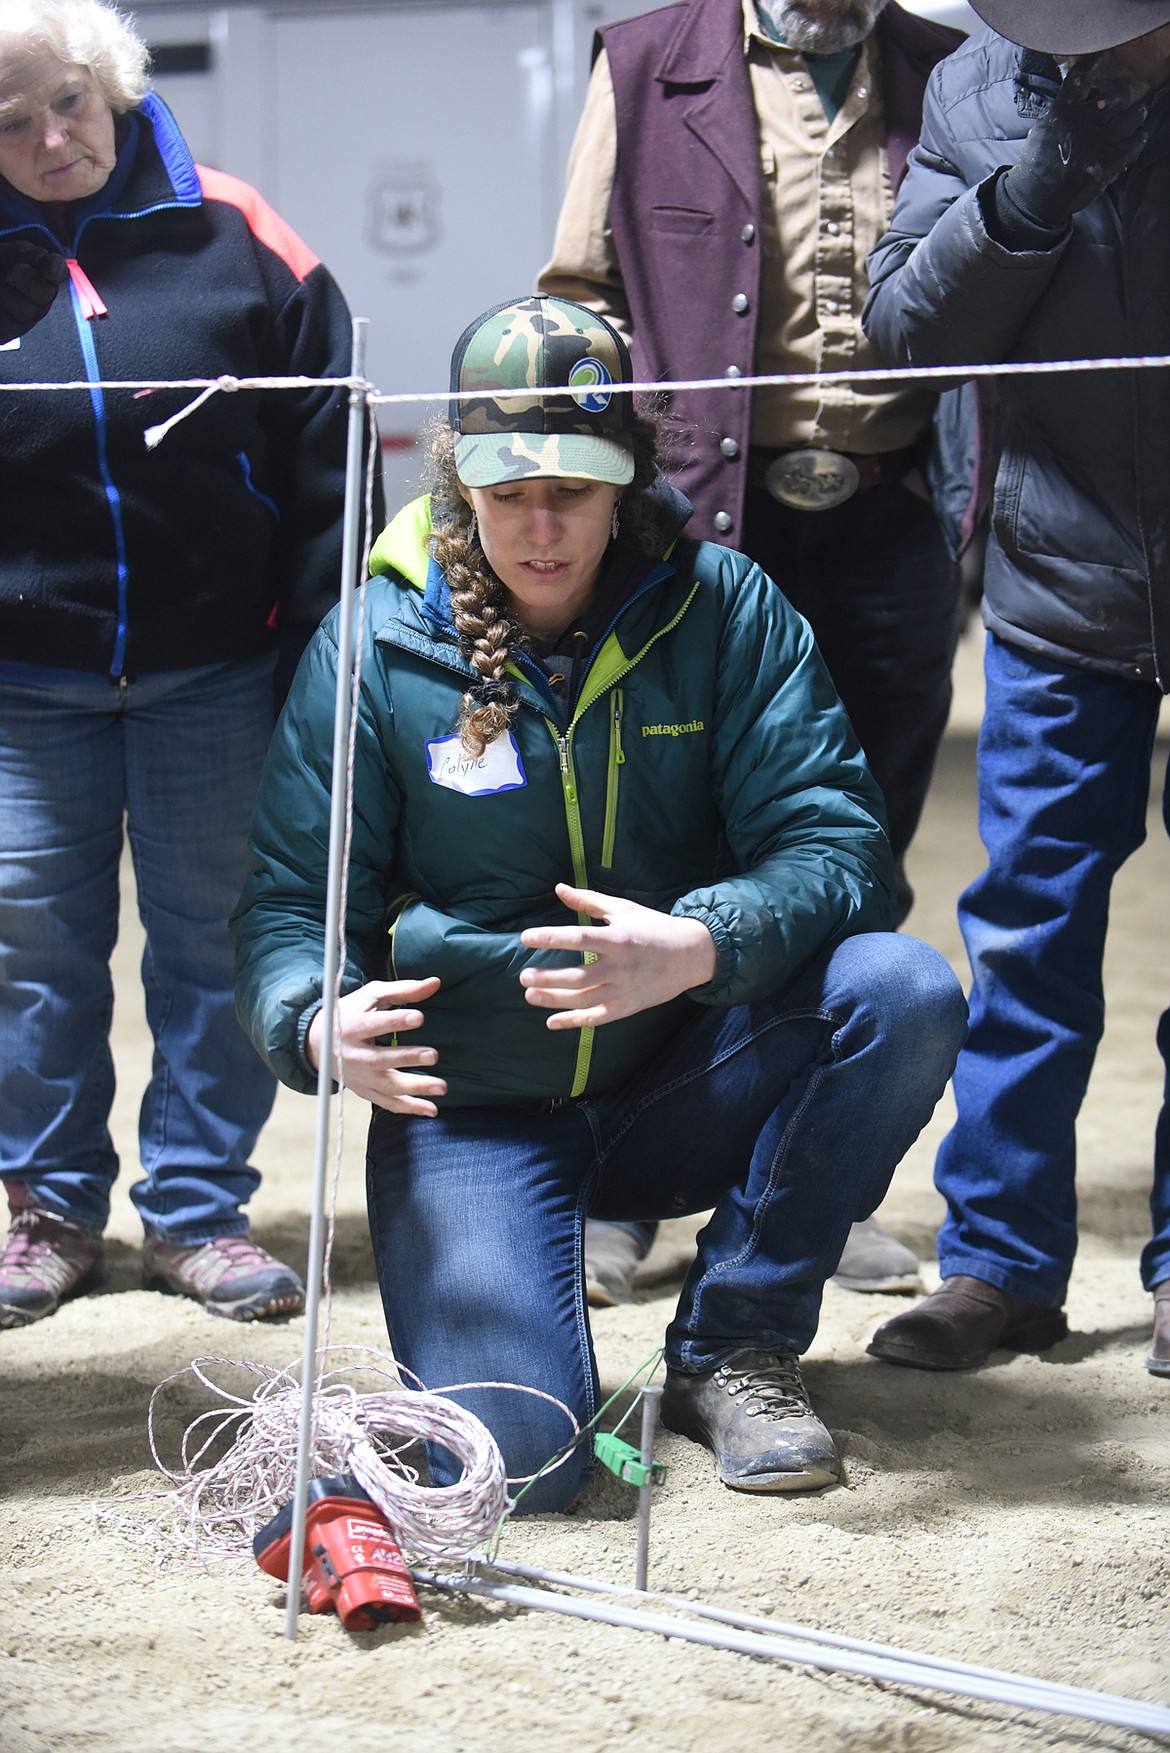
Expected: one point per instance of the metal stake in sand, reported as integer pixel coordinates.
(651, 1398)
(351, 550)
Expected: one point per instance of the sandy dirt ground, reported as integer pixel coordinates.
(1016, 1516)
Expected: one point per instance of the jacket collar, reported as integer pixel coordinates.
(154, 169)
(709, 32)
(404, 548)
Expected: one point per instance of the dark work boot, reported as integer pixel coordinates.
(962, 1323)
(753, 1413)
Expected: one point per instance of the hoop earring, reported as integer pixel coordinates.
(473, 528)
(615, 523)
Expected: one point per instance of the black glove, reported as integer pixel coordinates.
(1093, 130)
(29, 278)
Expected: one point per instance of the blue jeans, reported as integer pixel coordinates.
(874, 579)
(177, 755)
(1064, 776)
(788, 1117)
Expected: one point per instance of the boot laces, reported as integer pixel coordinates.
(773, 1390)
(42, 1249)
(227, 1257)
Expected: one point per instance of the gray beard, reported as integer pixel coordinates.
(823, 27)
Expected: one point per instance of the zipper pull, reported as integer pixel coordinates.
(617, 727)
(570, 789)
(88, 295)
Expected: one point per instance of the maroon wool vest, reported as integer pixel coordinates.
(685, 215)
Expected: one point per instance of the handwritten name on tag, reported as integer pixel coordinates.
(499, 768)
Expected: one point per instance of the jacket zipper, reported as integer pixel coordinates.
(97, 403)
(581, 878)
(617, 758)
(400, 907)
(563, 741)
(113, 497)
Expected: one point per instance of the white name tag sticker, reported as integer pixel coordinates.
(499, 768)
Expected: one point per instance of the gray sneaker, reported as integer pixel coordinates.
(230, 1276)
(44, 1260)
(612, 1256)
(875, 1260)
(753, 1413)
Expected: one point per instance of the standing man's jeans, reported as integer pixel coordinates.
(876, 582)
(788, 1117)
(177, 755)
(1064, 776)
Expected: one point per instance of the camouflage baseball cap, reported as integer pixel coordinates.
(531, 343)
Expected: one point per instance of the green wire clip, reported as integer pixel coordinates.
(624, 1461)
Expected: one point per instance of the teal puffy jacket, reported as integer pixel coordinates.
(709, 770)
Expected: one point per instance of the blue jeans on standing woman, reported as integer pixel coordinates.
(1064, 780)
(175, 755)
(788, 1117)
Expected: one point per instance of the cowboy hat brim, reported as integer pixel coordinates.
(1072, 27)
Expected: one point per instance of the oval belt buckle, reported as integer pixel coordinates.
(812, 480)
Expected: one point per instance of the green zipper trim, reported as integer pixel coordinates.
(617, 759)
(610, 667)
(580, 878)
(399, 908)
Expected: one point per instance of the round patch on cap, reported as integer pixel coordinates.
(590, 383)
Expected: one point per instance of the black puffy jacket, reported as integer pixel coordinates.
(1078, 566)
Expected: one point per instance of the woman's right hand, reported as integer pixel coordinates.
(379, 1074)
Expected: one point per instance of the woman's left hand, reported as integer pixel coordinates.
(642, 958)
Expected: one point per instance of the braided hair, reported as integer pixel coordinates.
(488, 631)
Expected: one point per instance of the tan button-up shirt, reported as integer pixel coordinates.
(827, 202)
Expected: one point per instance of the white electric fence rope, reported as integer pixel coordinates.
(946, 375)
(781, 1628)
(239, 1459)
(991, 1685)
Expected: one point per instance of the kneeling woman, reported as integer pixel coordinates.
(617, 897)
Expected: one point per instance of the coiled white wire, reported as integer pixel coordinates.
(222, 1495)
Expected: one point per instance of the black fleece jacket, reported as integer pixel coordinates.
(225, 538)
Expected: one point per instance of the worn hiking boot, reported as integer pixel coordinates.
(753, 1413)
(1158, 1362)
(230, 1276)
(875, 1260)
(612, 1256)
(45, 1259)
(959, 1325)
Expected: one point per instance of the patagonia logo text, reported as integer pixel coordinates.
(673, 730)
